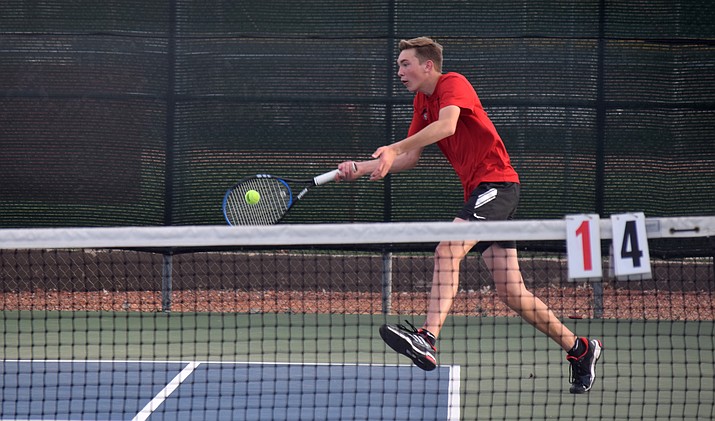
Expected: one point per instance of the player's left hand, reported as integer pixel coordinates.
(386, 157)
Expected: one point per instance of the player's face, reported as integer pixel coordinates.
(410, 71)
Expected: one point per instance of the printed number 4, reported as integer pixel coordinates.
(629, 246)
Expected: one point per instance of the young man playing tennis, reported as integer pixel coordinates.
(448, 112)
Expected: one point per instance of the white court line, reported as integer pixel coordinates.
(165, 392)
(453, 377)
(454, 404)
(215, 362)
(453, 398)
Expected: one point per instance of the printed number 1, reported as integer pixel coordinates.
(585, 233)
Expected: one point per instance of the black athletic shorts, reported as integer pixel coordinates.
(491, 202)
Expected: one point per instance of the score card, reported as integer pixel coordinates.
(630, 256)
(583, 246)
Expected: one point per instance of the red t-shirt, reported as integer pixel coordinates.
(475, 150)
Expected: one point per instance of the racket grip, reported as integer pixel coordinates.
(325, 178)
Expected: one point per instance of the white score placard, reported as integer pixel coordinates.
(583, 245)
(630, 256)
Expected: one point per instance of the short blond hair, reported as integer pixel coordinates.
(425, 49)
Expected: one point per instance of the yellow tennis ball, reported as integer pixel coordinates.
(252, 197)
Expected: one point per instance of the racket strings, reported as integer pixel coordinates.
(275, 198)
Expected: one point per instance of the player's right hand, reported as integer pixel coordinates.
(348, 171)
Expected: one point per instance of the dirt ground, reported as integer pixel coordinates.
(566, 302)
(350, 283)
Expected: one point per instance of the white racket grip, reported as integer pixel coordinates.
(325, 178)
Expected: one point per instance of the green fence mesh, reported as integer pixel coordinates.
(143, 113)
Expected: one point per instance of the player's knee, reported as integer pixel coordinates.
(449, 251)
(511, 293)
(511, 301)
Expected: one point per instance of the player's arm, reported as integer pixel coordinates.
(403, 162)
(387, 156)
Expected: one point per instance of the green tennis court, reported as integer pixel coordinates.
(506, 370)
(237, 329)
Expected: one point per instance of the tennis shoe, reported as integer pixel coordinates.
(583, 367)
(413, 343)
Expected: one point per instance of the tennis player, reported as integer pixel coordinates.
(448, 112)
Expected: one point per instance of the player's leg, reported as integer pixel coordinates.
(582, 353)
(489, 201)
(509, 285)
(419, 344)
(448, 257)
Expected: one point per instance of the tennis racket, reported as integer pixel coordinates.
(274, 199)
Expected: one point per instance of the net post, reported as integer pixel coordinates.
(597, 287)
(166, 281)
(386, 282)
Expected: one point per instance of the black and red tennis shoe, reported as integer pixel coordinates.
(583, 366)
(415, 344)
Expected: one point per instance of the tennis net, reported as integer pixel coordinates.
(281, 323)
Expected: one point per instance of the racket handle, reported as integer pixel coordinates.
(325, 178)
(329, 176)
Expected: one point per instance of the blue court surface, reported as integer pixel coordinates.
(169, 390)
